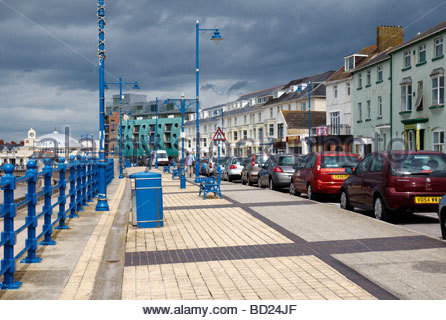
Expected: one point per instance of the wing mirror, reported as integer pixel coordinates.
(349, 171)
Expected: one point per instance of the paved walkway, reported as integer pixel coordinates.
(252, 244)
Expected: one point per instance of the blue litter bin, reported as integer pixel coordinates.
(147, 200)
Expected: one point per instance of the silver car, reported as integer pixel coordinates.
(233, 169)
(442, 216)
(213, 163)
(251, 170)
(277, 171)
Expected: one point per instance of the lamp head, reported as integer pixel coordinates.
(216, 37)
(106, 86)
(136, 86)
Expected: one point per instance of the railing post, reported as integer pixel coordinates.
(8, 234)
(89, 180)
(78, 184)
(96, 177)
(62, 199)
(72, 178)
(31, 219)
(84, 181)
(47, 207)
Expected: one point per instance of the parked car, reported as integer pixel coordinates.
(396, 181)
(160, 156)
(442, 216)
(233, 168)
(251, 170)
(277, 171)
(322, 173)
(203, 164)
(212, 164)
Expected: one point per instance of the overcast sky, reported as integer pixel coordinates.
(48, 50)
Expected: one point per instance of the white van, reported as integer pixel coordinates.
(160, 156)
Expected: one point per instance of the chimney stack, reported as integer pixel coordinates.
(388, 37)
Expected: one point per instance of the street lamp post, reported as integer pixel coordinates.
(309, 111)
(216, 38)
(102, 204)
(183, 105)
(156, 135)
(135, 87)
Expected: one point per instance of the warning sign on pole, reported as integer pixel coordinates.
(219, 135)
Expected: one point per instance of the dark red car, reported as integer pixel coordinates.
(322, 173)
(396, 181)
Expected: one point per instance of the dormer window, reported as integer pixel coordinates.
(350, 61)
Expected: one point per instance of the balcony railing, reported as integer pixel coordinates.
(339, 130)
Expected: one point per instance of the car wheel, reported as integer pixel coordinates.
(310, 193)
(292, 189)
(345, 204)
(443, 224)
(272, 186)
(380, 210)
(229, 178)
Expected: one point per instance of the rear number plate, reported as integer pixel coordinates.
(340, 176)
(434, 200)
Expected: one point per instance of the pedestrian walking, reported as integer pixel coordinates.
(190, 159)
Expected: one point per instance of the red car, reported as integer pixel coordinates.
(396, 181)
(322, 172)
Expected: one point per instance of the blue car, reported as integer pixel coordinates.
(442, 216)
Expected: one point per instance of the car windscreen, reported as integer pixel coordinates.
(162, 155)
(418, 164)
(339, 161)
(260, 159)
(238, 161)
(288, 160)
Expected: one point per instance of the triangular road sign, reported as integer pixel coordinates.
(219, 135)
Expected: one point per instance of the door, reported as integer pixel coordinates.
(373, 179)
(355, 191)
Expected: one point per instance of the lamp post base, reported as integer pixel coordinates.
(182, 182)
(102, 205)
(121, 176)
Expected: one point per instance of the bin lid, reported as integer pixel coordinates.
(145, 175)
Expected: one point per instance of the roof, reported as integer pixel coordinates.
(435, 29)
(259, 93)
(314, 78)
(299, 119)
(374, 60)
(56, 139)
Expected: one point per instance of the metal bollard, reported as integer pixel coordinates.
(84, 181)
(72, 191)
(31, 218)
(61, 215)
(78, 183)
(47, 207)
(8, 236)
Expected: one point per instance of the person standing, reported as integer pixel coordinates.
(190, 164)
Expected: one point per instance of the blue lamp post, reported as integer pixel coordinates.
(182, 105)
(309, 111)
(156, 135)
(216, 37)
(102, 204)
(135, 87)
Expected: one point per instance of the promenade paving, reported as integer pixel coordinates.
(251, 244)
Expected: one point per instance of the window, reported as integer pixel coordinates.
(204, 143)
(438, 137)
(348, 88)
(260, 117)
(360, 111)
(377, 164)
(411, 140)
(271, 130)
(406, 97)
(335, 91)
(422, 53)
(271, 113)
(235, 136)
(245, 134)
(406, 59)
(303, 106)
(379, 76)
(360, 80)
(438, 48)
(349, 63)
(438, 90)
(244, 118)
(280, 130)
(369, 109)
(369, 78)
(380, 106)
(335, 120)
(363, 166)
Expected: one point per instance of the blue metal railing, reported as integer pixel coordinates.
(83, 187)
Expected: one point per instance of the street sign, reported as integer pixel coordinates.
(219, 135)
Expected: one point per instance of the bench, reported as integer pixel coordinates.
(177, 172)
(211, 184)
(166, 169)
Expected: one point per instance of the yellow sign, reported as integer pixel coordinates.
(340, 176)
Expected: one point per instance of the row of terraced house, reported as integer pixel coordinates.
(387, 95)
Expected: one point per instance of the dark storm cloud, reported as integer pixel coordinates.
(48, 50)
